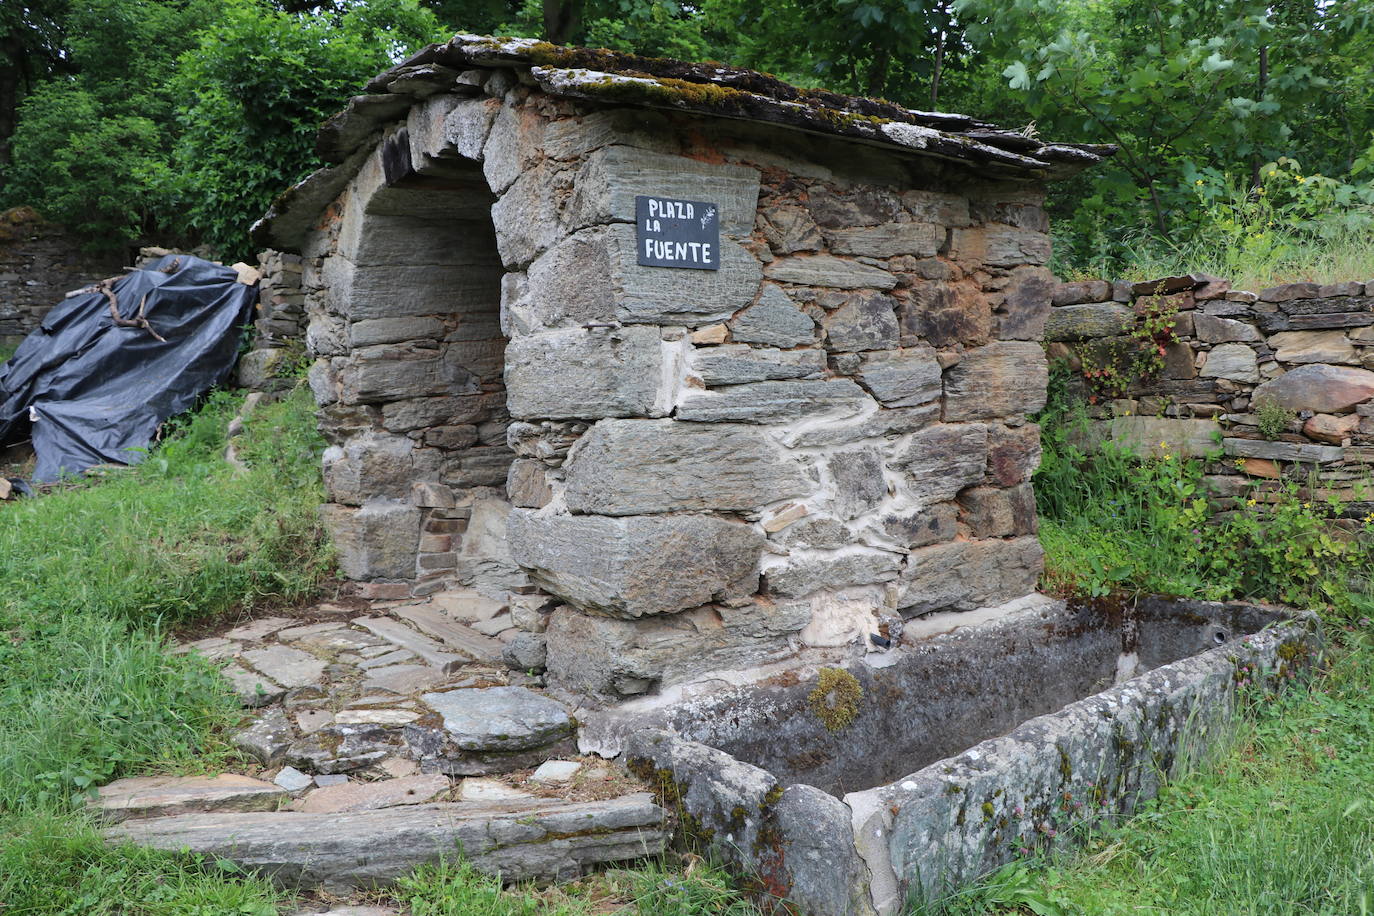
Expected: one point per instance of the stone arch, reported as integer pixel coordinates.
(413, 398)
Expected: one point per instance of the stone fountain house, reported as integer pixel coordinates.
(693, 368)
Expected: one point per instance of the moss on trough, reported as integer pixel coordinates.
(835, 700)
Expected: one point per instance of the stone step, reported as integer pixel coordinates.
(434, 622)
(403, 636)
(538, 839)
(161, 796)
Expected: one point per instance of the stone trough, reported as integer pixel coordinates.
(853, 786)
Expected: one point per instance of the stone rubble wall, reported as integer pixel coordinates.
(1305, 347)
(278, 344)
(703, 469)
(39, 265)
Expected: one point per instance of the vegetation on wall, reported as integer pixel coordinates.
(128, 117)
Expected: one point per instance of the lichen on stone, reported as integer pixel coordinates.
(836, 698)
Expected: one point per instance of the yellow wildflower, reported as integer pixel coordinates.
(1251, 502)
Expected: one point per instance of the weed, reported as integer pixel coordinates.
(1272, 418)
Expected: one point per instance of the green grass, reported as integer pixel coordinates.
(6, 352)
(92, 576)
(1285, 824)
(653, 889)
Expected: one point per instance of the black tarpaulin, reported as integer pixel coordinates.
(91, 392)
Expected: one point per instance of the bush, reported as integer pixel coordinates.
(1112, 520)
(256, 88)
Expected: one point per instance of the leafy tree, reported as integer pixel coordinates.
(256, 88)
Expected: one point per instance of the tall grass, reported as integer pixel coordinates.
(91, 577)
(1285, 824)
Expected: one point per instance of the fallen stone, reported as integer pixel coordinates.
(1318, 388)
(526, 652)
(634, 566)
(396, 767)
(641, 467)
(293, 780)
(325, 781)
(338, 749)
(500, 719)
(162, 796)
(287, 666)
(555, 771)
(521, 840)
(268, 738)
(368, 796)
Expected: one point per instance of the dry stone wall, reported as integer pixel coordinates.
(680, 470)
(1271, 385)
(39, 265)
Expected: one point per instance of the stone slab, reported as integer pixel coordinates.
(572, 373)
(1319, 388)
(638, 565)
(452, 633)
(162, 796)
(774, 402)
(1283, 451)
(396, 632)
(500, 719)
(641, 467)
(403, 679)
(252, 688)
(519, 840)
(286, 666)
(368, 796)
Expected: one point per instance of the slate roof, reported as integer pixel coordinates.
(628, 79)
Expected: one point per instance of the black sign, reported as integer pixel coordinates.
(677, 233)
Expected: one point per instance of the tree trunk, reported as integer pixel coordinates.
(1260, 89)
(877, 72)
(11, 73)
(562, 20)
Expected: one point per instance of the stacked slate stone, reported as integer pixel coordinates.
(696, 469)
(279, 324)
(39, 265)
(1303, 348)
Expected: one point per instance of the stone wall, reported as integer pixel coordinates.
(1305, 350)
(696, 470)
(39, 265)
(277, 349)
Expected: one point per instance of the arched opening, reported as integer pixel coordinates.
(418, 472)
